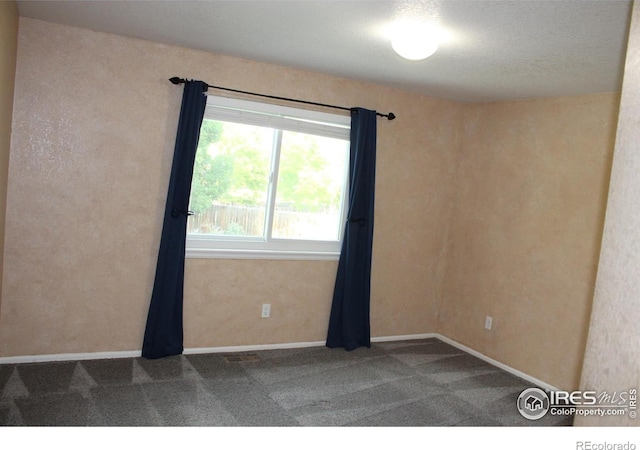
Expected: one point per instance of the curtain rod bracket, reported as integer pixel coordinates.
(178, 80)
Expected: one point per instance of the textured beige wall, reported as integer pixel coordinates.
(612, 358)
(8, 52)
(526, 231)
(94, 127)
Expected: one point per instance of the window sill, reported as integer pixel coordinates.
(208, 253)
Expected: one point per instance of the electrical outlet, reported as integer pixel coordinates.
(266, 310)
(488, 322)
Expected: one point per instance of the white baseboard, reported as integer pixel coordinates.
(138, 353)
(69, 357)
(253, 348)
(498, 364)
(406, 337)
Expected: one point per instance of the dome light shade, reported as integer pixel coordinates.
(414, 41)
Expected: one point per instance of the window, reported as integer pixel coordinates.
(269, 181)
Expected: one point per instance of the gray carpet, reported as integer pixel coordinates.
(412, 383)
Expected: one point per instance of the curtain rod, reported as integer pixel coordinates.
(178, 80)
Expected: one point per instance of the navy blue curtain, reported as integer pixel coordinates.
(163, 335)
(349, 319)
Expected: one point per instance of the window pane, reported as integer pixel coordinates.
(310, 187)
(231, 179)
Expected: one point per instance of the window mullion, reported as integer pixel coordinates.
(273, 183)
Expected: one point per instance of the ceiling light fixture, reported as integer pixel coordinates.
(415, 40)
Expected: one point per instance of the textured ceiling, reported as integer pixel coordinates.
(497, 50)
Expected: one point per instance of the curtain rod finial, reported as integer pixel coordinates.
(176, 80)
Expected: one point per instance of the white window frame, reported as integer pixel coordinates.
(280, 118)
